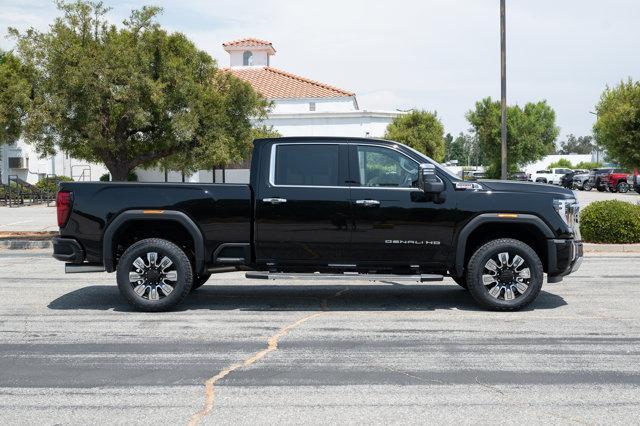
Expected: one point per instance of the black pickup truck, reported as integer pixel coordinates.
(330, 208)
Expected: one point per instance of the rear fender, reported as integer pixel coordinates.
(156, 215)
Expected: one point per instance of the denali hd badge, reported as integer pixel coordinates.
(433, 243)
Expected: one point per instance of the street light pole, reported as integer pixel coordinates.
(503, 90)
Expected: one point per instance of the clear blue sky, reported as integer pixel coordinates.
(437, 55)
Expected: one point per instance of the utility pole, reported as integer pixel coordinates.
(503, 90)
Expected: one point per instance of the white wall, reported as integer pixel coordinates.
(60, 164)
(260, 58)
(544, 163)
(356, 124)
(293, 106)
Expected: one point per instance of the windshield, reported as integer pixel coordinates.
(439, 166)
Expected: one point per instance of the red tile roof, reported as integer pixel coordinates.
(273, 83)
(248, 42)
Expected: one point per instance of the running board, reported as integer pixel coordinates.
(348, 276)
(77, 268)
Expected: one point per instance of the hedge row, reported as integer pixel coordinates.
(612, 221)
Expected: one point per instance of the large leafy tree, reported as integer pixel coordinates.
(577, 145)
(132, 95)
(617, 127)
(421, 130)
(531, 133)
(15, 93)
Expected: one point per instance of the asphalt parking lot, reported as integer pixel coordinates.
(72, 352)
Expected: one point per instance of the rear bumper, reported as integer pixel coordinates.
(67, 250)
(565, 257)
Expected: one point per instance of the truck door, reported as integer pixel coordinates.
(303, 209)
(393, 223)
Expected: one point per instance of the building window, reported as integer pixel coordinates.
(312, 106)
(247, 58)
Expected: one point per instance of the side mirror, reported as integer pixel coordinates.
(428, 181)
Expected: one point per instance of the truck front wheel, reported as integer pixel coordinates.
(504, 274)
(154, 275)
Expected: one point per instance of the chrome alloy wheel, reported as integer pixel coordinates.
(506, 279)
(152, 280)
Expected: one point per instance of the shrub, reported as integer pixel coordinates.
(588, 165)
(561, 163)
(610, 221)
(105, 177)
(50, 184)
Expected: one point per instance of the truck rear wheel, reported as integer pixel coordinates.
(504, 275)
(586, 186)
(154, 275)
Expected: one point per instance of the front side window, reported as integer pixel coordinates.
(309, 165)
(382, 167)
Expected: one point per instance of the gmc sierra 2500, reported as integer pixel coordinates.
(343, 208)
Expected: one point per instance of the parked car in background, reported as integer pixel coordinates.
(636, 180)
(618, 181)
(520, 176)
(582, 181)
(551, 176)
(599, 178)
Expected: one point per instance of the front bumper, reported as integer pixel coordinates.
(67, 250)
(565, 257)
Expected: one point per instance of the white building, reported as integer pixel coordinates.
(21, 160)
(301, 106)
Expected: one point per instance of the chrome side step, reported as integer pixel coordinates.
(76, 268)
(259, 275)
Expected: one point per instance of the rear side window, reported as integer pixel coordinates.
(306, 164)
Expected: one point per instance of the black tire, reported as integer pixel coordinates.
(461, 281)
(199, 280)
(587, 186)
(601, 188)
(153, 277)
(623, 187)
(541, 180)
(505, 277)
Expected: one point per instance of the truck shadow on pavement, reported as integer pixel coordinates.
(373, 297)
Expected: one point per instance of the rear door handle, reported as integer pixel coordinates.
(368, 203)
(275, 200)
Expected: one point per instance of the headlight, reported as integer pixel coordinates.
(569, 211)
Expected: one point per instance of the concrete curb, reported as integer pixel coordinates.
(611, 248)
(25, 244)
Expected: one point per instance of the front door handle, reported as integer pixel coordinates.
(275, 200)
(368, 203)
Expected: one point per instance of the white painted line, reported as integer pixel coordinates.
(16, 223)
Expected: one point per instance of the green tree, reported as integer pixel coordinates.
(453, 149)
(577, 145)
(132, 95)
(531, 133)
(421, 130)
(15, 92)
(617, 128)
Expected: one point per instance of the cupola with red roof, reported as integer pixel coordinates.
(249, 52)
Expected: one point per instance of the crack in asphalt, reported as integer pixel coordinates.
(272, 345)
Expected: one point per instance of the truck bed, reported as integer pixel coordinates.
(222, 212)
